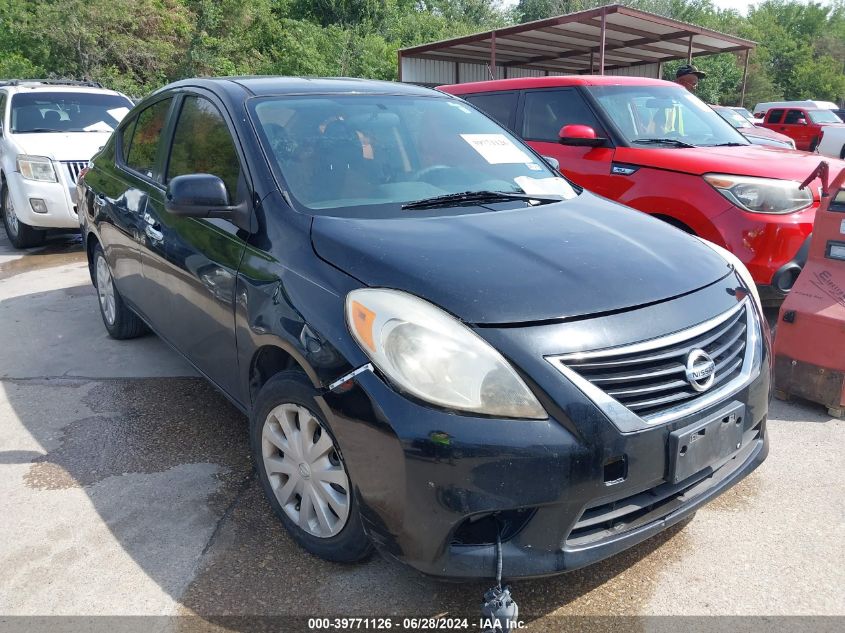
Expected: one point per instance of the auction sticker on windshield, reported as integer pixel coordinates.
(496, 148)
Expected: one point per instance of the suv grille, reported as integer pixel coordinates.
(73, 168)
(650, 378)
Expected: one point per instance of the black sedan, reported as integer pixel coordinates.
(445, 349)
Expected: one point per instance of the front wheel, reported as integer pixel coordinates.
(302, 471)
(20, 235)
(120, 321)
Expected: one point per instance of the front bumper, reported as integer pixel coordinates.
(59, 198)
(429, 482)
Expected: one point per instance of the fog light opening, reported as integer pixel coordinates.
(482, 529)
(38, 205)
(616, 470)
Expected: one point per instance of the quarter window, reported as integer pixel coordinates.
(498, 106)
(546, 111)
(144, 145)
(126, 139)
(202, 144)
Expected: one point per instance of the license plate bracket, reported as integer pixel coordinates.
(695, 447)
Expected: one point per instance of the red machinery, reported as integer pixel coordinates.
(810, 339)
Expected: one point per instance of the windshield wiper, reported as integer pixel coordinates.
(473, 197)
(37, 130)
(663, 141)
(731, 144)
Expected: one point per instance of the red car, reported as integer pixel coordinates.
(653, 146)
(802, 125)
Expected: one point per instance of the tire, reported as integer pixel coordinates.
(121, 323)
(20, 235)
(842, 152)
(813, 145)
(294, 482)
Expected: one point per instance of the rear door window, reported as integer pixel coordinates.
(143, 148)
(499, 106)
(792, 117)
(202, 144)
(775, 116)
(547, 111)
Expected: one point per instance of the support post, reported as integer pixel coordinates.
(493, 55)
(592, 64)
(744, 78)
(689, 50)
(601, 44)
(399, 59)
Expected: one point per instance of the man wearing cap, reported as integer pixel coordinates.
(688, 76)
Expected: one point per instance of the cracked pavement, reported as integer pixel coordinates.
(126, 488)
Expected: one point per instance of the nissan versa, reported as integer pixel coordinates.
(439, 341)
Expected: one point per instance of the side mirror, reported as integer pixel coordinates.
(801, 122)
(580, 135)
(552, 162)
(205, 196)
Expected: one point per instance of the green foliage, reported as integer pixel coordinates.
(139, 45)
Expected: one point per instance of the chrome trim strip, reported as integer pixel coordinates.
(663, 341)
(337, 383)
(626, 420)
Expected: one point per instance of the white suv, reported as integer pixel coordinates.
(48, 131)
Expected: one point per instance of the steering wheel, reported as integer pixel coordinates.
(433, 169)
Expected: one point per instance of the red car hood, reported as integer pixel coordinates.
(749, 160)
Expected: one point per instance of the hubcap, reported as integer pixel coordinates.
(11, 218)
(105, 290)
(305, 471)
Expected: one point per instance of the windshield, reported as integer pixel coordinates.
(823, 116)
(745, 113)
(67, 112)
(346, 154)
(732, 117)
(664, 112)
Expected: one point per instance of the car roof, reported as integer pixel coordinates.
(270, 85)
(37, 86)
(552, 82)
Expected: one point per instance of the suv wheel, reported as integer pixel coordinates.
(120, 321)
(20, 235)
(302, 472)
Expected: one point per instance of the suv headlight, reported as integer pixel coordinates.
(761, 195)
(36, 168)
(433, 356)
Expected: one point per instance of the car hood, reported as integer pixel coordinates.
(747, 160)
(762, 132)
(580, 257)
(62, 145)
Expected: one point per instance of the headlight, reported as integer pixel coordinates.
(435, 357)
(36, 168)
(761, 195)
(740, 269)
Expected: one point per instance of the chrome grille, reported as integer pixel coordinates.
(73, 168)
(649, 378)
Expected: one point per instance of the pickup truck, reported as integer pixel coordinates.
(802, 125)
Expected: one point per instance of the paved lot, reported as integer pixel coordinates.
(126, 489)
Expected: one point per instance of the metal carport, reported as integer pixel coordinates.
(607, 40)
